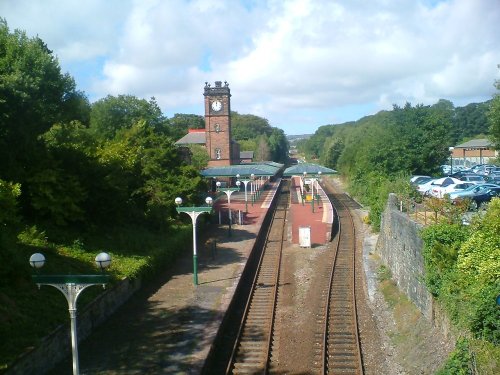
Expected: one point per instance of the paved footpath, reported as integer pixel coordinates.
(168, 327)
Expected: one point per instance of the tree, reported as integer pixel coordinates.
(246, 127)
(263, 152)
(334, 148)
(278, 145)
(112, 114)
(34, 95)
(494, 118)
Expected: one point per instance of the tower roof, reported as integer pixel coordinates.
(217, 89)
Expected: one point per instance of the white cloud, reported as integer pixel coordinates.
(290, 61)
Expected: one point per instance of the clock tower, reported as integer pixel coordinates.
(218, 124)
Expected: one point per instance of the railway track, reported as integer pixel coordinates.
(341, 352)
(336, 340)
(252, 350)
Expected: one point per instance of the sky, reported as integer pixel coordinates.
(300, 64)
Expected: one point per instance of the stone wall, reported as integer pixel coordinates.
(56, 346)
(400, 247)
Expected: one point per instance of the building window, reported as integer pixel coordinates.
(217, 128)
(217, 153)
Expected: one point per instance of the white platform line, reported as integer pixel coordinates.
(270, 195)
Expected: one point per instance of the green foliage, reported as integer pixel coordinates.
(333, 149)
(470, 121)
(246, 127)
(9, 193)
(462, 271)
(254, 133)
(441, 245)
(460, 361)
(199, 157)
(479, 256)
(180, 124)
(494, 118)
(112, 114)
(373, 190)
(34, 95)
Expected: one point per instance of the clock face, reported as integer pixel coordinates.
(216, 105)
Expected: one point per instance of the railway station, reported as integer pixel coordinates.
(183, 342)
(259, 210)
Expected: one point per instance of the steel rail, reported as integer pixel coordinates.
(252, 350)
(341, 344)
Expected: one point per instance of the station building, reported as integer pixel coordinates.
(476, 151)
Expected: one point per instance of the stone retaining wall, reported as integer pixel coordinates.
(56, 346)
(400, 247)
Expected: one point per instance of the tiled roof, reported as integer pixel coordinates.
(309, 168)
(244, 170)
(482, 143)
(192, 138)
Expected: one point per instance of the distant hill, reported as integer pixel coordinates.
(293, 138)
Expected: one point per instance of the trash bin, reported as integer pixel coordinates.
(305, 236)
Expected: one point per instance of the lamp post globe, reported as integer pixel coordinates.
(238, 183)
(178, 201)
(103, 260)
(218, 184)
(37, 260)
(209, 200)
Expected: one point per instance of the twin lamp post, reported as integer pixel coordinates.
(193, 213)
(71, 286)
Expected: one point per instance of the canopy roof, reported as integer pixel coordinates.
(309, 168)
(244, 170)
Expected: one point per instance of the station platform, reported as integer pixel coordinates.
(317, 216)
(168, 327)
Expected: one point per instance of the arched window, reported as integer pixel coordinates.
(217, 128)
(217, 153)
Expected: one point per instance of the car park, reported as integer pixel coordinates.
(473, 190)
(484, 197)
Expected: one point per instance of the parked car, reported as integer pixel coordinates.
(493, 179)
(423, 187)
(474, 178)
(483, 169)
(418, 179)
(484, 197)
(435, 186)
(473, 190)
(460, 173)
(454, 187)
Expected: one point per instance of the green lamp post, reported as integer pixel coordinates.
(71, 286)
(193, 213)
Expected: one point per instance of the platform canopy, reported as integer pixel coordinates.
(309, 168)
(244, 170)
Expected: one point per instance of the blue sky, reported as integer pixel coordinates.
(299, 63)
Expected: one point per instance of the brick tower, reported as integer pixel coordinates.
(218, 124)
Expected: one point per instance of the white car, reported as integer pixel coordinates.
(423, 188)
(418, 179)
(434, 186)
(453, 188)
